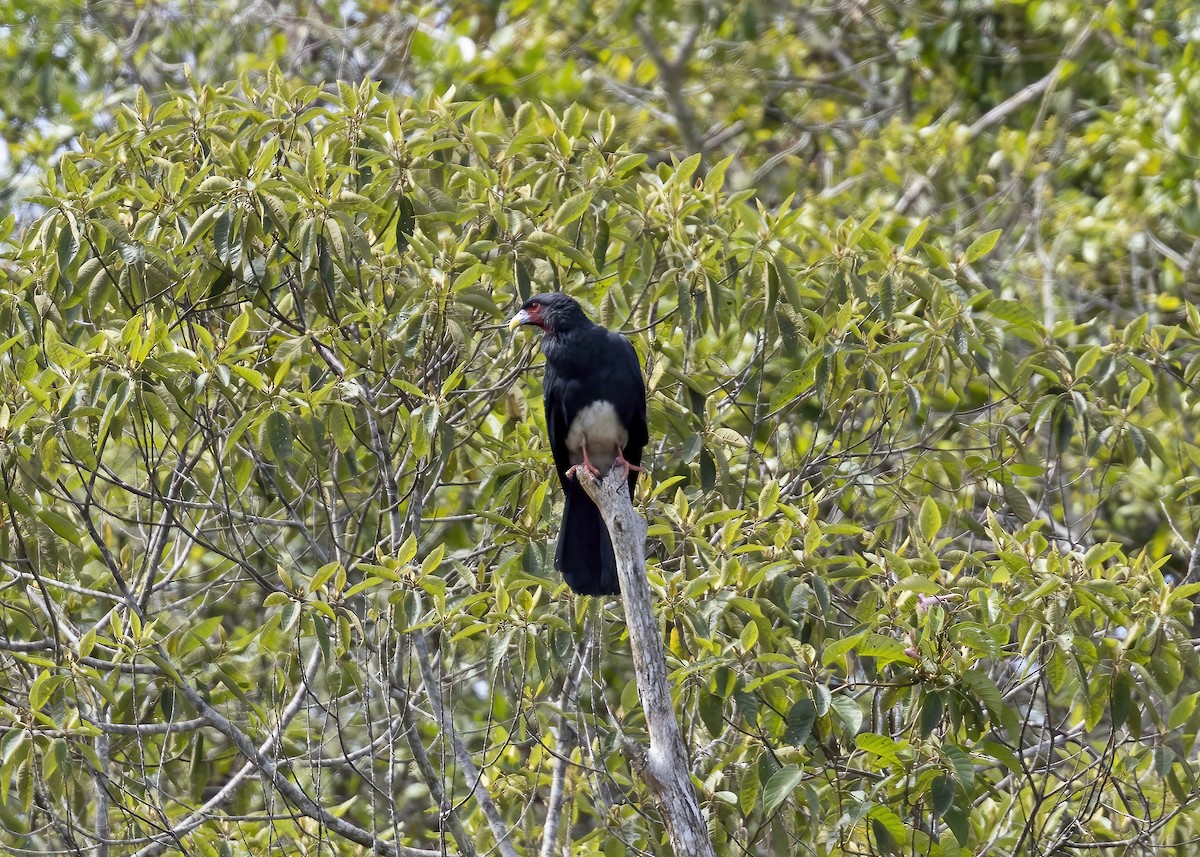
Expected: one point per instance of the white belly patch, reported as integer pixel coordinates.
(600, 428)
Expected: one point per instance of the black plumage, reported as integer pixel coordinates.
(595, 402)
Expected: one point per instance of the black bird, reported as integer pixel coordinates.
(595, 403)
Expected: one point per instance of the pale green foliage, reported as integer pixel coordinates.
(915, 516)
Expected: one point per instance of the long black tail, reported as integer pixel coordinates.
(585, 552)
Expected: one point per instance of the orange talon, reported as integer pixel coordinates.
(626, 467)
(586, 465)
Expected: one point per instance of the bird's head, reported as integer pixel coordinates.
(553, 312)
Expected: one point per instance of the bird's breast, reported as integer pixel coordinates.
(599, 426)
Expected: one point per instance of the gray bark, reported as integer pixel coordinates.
(663, 766)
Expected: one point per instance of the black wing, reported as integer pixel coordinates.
(554, 390)
(631, 402)
(631, 406)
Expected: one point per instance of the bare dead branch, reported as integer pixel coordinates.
(664, 765)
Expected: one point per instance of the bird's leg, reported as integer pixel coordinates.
(626, 467)
(587, 465)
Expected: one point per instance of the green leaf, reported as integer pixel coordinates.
(1014, 312)
(1101, 553)
(1088, 360)
(982, 245)
(324, 573)
(433, 561)
(884, 649)
(68, 246)
(963, 768)
(628, 164)
(686, 169)
(1018, 503)
(836, 650)
(936, 255)
(821, 695)
(407, 551)
(747, 705)
(239, 327)
(849, 713)
(573, 208)
(1182, 711)
(62, 526)
(114, 409)
(87, 643)
(748, 788)
(749, 636)
(708, 470)
(201, 225)
(341, 426)
(985, 689)
(914, 236)
(1122, 697)
(289, 616)
(406, 221)
(43, 688)
(431, 418)
(886, 822)
(276, 435)
(712, 709)
(879, 745)
(800, 720)
(942, 792)
(959, 823)
(783, 275)
(215, 184)
(780, 786)
(930, 520)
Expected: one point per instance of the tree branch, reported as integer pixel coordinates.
(568, 738)
(261, 758)
(173, 836)
(1193, 567)
(470, 772)
(279, 778)
(1039, 87)
(400, 693)
(664, 767)
(672, 73)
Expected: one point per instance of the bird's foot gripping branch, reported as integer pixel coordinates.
(592, 471)
(619, 462)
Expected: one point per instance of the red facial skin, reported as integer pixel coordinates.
(533, 315)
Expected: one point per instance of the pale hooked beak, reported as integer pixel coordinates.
(519, 319)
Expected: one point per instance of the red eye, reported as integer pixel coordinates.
(534, 305)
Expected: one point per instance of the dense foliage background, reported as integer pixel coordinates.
(915, 286)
